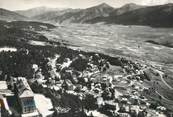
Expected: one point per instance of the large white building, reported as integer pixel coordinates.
(26, 98)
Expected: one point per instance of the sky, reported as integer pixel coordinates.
(27, 4)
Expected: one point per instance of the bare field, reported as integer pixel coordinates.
(117, 40)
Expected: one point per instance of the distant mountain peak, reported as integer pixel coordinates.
(103, 5)
(169, 4)
(131, 5)
(126, 8)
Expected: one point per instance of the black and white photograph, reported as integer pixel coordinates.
(86, 58)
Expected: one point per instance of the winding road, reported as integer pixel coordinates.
(161, 76)
(53, 65)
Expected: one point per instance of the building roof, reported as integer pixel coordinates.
(23, 88)
(3, 85)
(4, 89)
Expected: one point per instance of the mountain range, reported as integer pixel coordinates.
(51, 16)
(155, 16)
(83, 15)
(76, 15)
(129, 14)
(10, 15)
(117, 12)
(36, 11)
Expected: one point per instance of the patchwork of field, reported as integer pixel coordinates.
(130, 41)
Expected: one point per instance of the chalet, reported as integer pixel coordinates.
(26, 98)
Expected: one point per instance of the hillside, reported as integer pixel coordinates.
(153, 16)
(119, 11)
(126, 8)
(156, 16)
(79, 76)
(51, 15)
(18, 33)
(129, 14)
(36, 11)
(10, 15)
(80, 15)
(90, 13)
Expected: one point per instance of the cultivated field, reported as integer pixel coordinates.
(118, 40)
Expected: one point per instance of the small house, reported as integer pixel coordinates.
(26, 98)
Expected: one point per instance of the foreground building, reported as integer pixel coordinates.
(4, 93)
(26, 98)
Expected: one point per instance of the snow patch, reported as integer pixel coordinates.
(43, 104)
(6, 49)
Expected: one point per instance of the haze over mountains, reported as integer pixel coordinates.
(52, 16)
(10, 15)
(37, 11)
(83, 15)
(129, 14)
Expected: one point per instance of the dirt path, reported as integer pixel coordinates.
(161, 76)
(53, 65)
(162, 96)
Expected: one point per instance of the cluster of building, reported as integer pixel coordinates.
(116, 95)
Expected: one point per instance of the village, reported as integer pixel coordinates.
(85, 86)
(86, 58)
